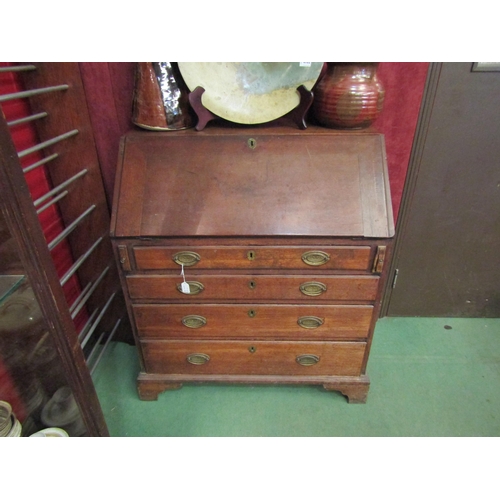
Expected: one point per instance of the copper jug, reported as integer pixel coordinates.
(161, 98)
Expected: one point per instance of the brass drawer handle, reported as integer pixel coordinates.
(310, 322)
(315, 258)
(194, 321)
(195, 287)
(307, 359)
(313, 288)
(198, 358)
(186, 258)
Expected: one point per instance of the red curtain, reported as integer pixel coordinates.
(404, 86)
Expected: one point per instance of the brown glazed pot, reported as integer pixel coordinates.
(348, 96)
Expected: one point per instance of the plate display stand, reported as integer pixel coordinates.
(297, 115)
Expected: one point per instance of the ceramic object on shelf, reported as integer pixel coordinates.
(9, 425)
(62, 412)
(5, 418)
(348, 96)
(16, 429)
(161, 98)
(250, 92)
(50, 432)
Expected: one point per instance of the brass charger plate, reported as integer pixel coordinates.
(250, 92)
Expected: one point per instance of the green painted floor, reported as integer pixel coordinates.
(429, 377)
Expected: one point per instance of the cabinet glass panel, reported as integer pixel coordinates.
(34, 392)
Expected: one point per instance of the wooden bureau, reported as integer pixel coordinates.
(253, 254)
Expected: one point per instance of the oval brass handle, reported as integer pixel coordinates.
(194, 321)
(307, 359)
(315, 258)
(195, 287)
(186, 258)
(313, 288)
(198, 358)
(310, 322)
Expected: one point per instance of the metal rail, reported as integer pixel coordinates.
(94, 366)
(50, 142)
(61, 236)
(72, 270)
(31, 93)
(97, 321)
(27, 119)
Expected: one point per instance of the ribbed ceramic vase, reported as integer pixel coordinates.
(348, 96)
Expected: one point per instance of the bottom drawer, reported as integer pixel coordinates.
(253, 358)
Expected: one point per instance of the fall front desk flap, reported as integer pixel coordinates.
(252, 182)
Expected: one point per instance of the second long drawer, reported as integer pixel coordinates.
(253, 287)
(292, 322)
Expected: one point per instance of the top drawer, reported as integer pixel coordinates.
(349, 258)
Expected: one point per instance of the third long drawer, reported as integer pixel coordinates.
(278, 321)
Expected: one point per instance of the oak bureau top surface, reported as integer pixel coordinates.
(252, 182)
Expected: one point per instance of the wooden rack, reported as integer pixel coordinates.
(59, 113)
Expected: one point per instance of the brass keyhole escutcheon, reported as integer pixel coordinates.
(251, 255)
(252, 349)
(252, 143)
(252, 313)
(252, 284)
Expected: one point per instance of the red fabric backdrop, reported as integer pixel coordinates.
(404, 84)
(38, 180)
(109, 89)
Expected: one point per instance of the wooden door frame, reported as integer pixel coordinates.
(426, 108)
